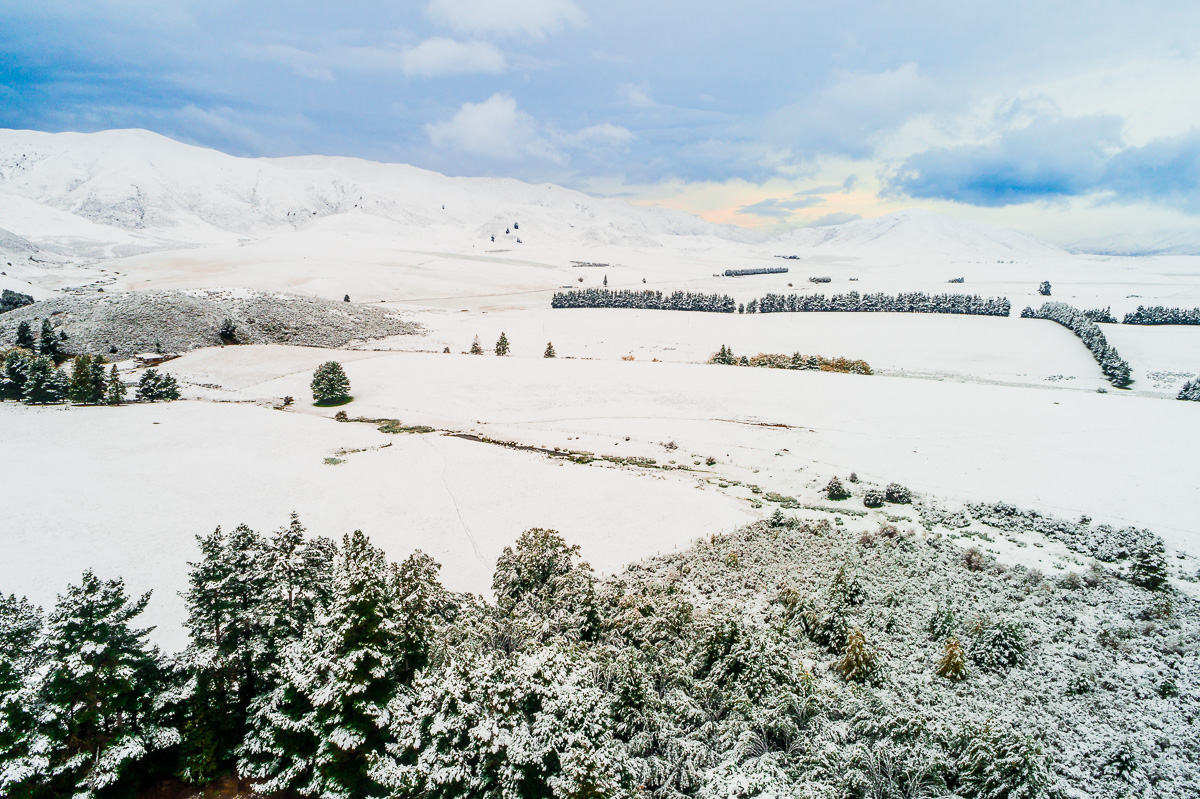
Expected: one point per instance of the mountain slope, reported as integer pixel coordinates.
(917, 231)
(145, 191)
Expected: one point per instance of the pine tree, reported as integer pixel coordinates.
(1044, 288)
(550, 353)
(100, 692)
(502, 344)
(25, 338)
(21, 657)
(230, 653)
(14, 372)
(48, 343)
(330, 385)
(953, 665)
(1149, 567)
(326, 723)
(80, 390)
(114, 393)
(44, 383)
(858, 662)
(154, 386)
(476, 349)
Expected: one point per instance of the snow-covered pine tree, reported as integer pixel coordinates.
(502, 344)
(230, 652)
(325, 724)
(13, 373)
(22, 762)
(953, 665)
(1190, 391)
(48, 343)
(476, 347)
(330, 384)
(543, 591)
(115, 391)
(550, 353)
(101, 692)
(1044, 288)
(1149, 567)
(44, 383)
(25, 339)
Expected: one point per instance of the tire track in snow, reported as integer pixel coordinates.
(454, 502)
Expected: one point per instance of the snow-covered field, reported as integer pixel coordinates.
(126, 490)
(961, 408)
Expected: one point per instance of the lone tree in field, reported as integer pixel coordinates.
(476, 349)
(330, 386)
(550, 353)
(502, 344)
(1044, 289)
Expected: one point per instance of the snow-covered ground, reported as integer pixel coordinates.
(126, 490)
(962, 408)
(1067, 452)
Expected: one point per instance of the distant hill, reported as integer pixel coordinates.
(915, 232)
(120, 192)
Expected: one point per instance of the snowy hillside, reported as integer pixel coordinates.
(916, 231)
(122, 191)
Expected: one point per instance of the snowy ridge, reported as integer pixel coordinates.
(917, 231)
(131, 189)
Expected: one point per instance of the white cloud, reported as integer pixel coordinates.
(439, 56)
(638, 95)
(604, 134)
(534, 18)
(494, 129)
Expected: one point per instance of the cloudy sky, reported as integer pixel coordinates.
(1077, 121)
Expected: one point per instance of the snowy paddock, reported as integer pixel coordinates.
(126, 490)
(1117, 457)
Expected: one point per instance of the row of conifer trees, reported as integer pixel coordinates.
(36, 379)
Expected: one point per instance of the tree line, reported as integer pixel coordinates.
(905, 302)
(1115, 368)
(36, 379)
(647, 299)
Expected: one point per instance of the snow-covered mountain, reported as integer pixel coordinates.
(119, 192)
(916, 232)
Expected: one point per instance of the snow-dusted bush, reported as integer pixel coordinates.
(998, 645)
(1190, 391)
(835, 490)
(897, 494)
(1102, 315)
(874, 498)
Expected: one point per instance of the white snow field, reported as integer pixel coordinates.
(126, 490)
(961, 408)
(1061, 451)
